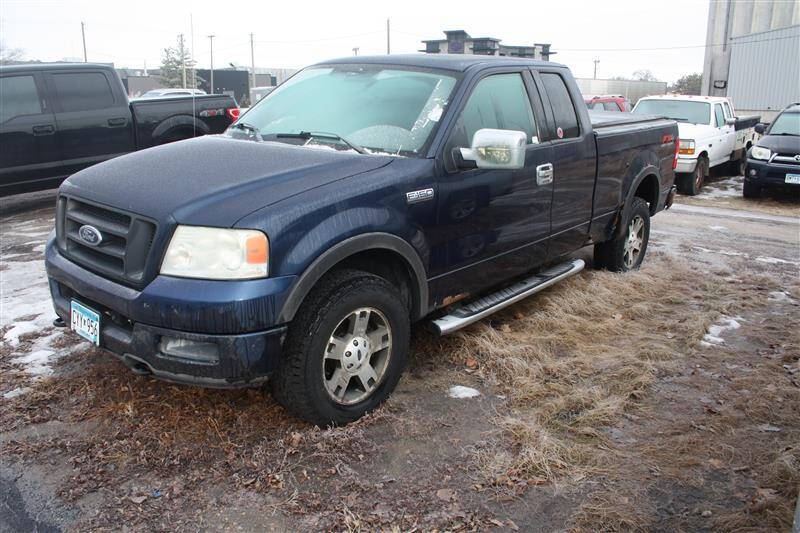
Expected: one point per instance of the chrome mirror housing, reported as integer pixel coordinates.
(496, 149)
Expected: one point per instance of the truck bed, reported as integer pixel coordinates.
(626, 143)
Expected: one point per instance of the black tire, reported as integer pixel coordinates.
(299, 383)
(611, 255)
(737, 166)
(693, 183)
(751, 190)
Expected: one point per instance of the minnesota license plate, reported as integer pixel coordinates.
(793, 178)
(85, 322)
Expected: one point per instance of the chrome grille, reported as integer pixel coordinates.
(124, 244)
(786, 159)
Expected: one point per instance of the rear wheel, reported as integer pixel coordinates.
(627, 251)
(345, 350)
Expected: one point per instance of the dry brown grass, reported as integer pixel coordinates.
(574, 358)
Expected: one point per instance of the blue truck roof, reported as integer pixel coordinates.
(455, 62)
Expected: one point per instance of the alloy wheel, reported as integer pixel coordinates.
(634, 242)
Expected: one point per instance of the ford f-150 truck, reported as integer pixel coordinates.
(359, 196)
(56, 119)
(711, 135)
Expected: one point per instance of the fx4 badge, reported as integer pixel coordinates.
(419, 196)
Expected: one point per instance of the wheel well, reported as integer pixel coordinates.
(177, 133)
(389, 265)
(648, 191)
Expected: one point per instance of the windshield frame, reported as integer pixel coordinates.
(681, 119)
(771, 126)
(424, 151)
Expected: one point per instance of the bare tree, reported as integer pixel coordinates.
(9, 55)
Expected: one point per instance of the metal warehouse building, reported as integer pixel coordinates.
(753, 54)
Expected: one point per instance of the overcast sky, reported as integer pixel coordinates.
(624, 35)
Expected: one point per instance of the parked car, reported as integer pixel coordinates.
(56, 119)
(711, 135)
(774, 161)
(361, 195)
(161, 93)
(608, 103)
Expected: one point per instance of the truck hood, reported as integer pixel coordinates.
(695, 131)
(213, 180)
(781, 144)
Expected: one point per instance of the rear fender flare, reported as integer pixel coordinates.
(179, 121)
(622, 215)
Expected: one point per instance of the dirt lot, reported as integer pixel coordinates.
(666, 399)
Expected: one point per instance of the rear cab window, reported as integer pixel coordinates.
(566, 118)
(83, 91)
(19, 97)
(719, 117)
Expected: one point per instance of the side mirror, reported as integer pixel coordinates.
(730, 121)
(760, 128)
(496, 149)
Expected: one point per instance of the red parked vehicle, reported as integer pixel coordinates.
(608, 103)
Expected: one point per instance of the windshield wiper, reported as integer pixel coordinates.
(245, 126)
(321, 135)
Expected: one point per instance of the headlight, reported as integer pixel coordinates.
(686, 147)
(216, 253)
(759, 152)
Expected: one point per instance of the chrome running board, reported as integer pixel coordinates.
(483, 307)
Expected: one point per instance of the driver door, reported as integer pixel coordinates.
(492, 224)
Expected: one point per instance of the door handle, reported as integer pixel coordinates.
(116, 122)
(544, 174)
(44, 129)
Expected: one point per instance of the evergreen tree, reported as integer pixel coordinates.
(172, 61)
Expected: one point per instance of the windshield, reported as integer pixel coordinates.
(682, 110)
(786, 124)
(378, 108)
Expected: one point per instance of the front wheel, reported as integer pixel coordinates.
(626, 252)
(345, 350)
(691, 184)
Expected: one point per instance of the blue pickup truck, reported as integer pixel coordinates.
(360, 196)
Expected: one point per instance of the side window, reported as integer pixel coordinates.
(727, 110)
(720, 118)
(500, 102)
(562, 106)
(596, 106)
(18, 97)
(610, 106)
(83, 91)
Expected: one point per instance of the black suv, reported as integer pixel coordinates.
(774, 161)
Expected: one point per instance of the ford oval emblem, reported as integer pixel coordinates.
(90, 235)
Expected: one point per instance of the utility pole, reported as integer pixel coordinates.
(83, 35)
(183, 61)
(388, 38)
(211, 39)
(596, 61)
(355, 51)
(252, 62)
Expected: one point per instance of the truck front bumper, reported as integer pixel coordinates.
(686, 165)
(214, 334)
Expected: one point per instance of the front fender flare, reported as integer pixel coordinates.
(353, 245)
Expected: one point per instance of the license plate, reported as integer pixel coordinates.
(85, 322)
(793, 178)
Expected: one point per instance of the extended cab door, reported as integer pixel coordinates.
(28, 149)
(93, 117)
(492, 224)
(574, 160)
(727, 134)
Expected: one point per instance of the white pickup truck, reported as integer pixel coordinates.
(711, 134)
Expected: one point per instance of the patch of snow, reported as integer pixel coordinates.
(722, 189)
(459, 391)
(715, 331)
(781, 296)
(36, 362)
(775, 261)
(718, 228)
(721, 252)
(19, 391)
